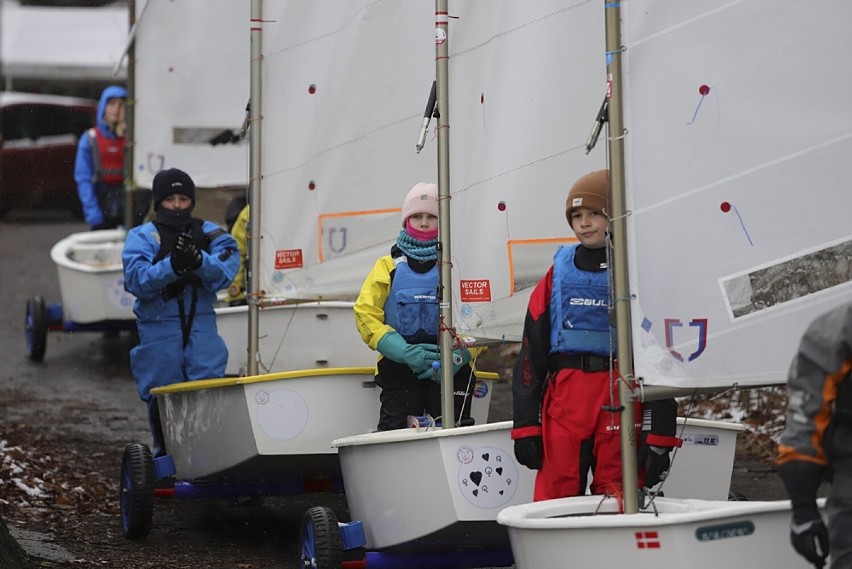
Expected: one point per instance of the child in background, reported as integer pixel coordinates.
(237, 220)
(99, 166)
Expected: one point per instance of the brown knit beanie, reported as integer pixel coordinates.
(591, 191)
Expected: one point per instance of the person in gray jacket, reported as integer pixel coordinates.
(816, 444)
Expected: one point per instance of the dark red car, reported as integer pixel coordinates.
(38, 146)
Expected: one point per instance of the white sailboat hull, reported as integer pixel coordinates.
(433, 487)
(430, 472)
(269, 426)
(587, 532)
(274, 425)
(703, 466)
(91, 280)
(297, 336)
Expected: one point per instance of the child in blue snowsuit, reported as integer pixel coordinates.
(174, 265)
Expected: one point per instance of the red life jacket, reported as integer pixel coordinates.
(108, 157)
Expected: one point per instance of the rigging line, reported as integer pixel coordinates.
(467, 393)
(624, 133)
(611, 54)
(613, 381)
(627, 213)
(281, 342)
(742, 224)
(747, 172)
(687, 412)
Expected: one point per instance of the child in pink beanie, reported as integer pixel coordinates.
(397, 315)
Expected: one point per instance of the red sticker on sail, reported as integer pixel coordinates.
(288, 259)
(475, 290)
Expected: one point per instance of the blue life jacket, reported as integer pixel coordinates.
(579, 315)
(412, 305)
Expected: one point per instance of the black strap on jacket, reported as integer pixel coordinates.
(585, 362)
(168, 240)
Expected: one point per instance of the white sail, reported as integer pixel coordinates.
(345, 88)
(344, 93)
(729, 256)
(737, 238)
(738, 182)
(735, 156)
(192, 66)
(526, 84)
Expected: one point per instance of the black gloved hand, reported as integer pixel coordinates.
(658, 438)
(179, 263)
(528, 451)
(186, 255)
(656, 461)
(808, 533)
(810, 540)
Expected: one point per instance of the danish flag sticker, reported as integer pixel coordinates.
(647, 540)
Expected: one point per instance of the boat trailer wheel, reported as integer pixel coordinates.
(320, 540)
(137, 491)
(35, 326)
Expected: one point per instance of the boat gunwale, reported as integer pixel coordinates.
(576, 513)
(60, 251)
(422, 433)
(215, 383)
(707, 423)
(303, 305)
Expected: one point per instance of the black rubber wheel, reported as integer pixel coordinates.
(320, 539)
(36, 328)
(137, 491)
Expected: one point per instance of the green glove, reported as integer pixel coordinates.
(418, 357)
(461, 358)
(433, 373)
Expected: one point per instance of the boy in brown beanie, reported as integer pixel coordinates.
(565, 397)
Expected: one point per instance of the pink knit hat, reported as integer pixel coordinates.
(423, 198)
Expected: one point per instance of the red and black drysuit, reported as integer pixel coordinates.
(566, 407)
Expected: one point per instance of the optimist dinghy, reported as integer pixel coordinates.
(722, 279)
(91, 285)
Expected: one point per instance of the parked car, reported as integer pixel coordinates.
(38, 145)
